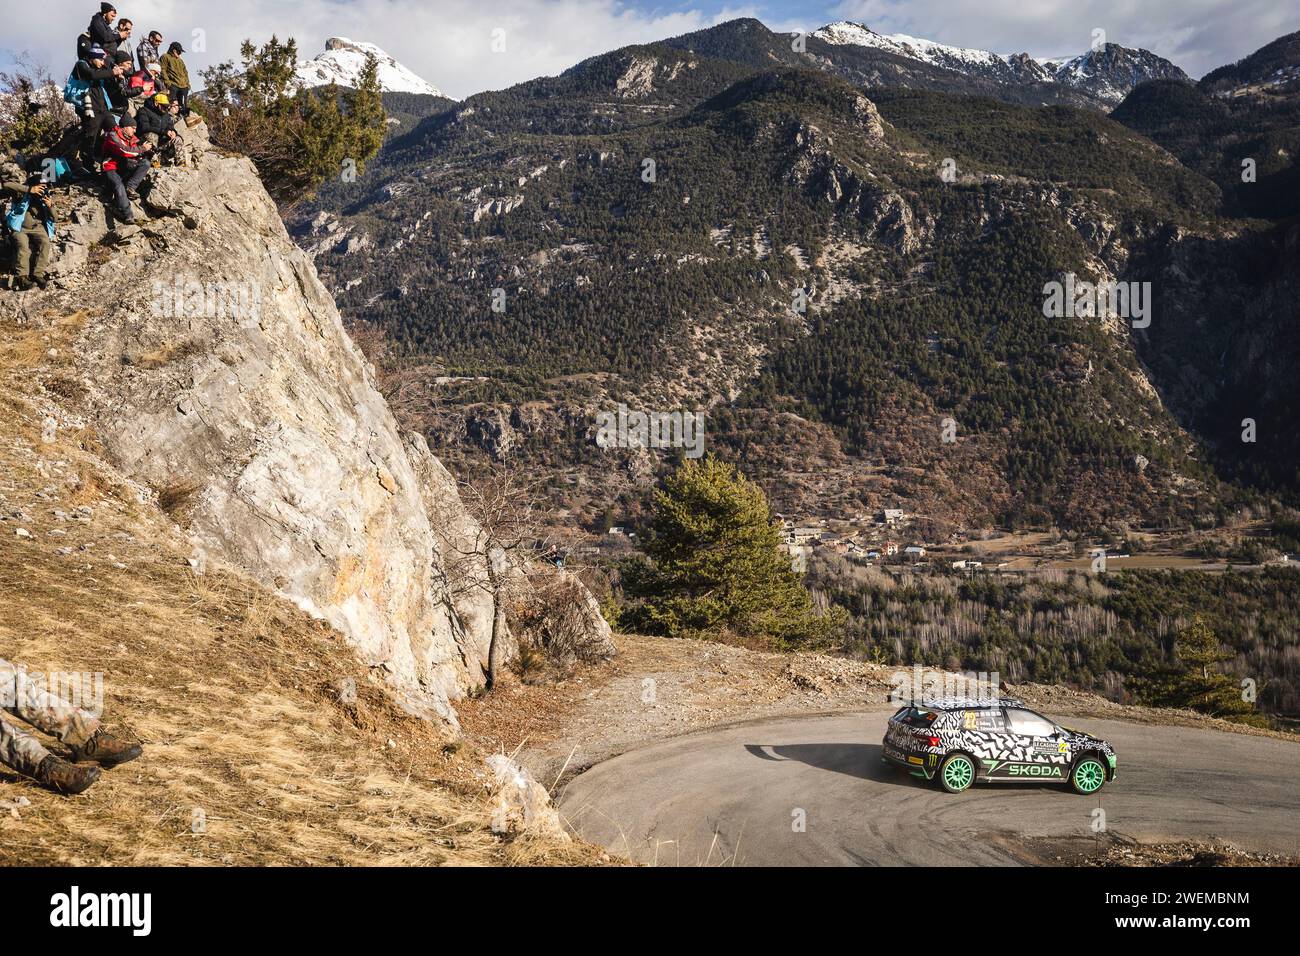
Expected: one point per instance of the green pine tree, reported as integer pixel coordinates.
(1195, 680)
(297, 138)
(716, 563)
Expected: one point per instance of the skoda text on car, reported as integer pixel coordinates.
(961, 741)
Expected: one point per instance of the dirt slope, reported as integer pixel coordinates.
(235, 693)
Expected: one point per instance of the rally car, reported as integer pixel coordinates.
(959, 741)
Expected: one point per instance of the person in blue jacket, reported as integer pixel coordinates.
(30, 220)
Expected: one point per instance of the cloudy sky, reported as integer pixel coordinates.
(449, 42)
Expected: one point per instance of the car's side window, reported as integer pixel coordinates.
(985, 719)
(1029, 724)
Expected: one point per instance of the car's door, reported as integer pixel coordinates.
(1039, 749)
(984, 735)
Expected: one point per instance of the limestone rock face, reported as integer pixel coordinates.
(218, 376)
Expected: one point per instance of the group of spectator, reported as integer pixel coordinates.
(132, 103)
(123, 81)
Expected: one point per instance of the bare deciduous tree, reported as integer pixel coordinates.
(494, 557)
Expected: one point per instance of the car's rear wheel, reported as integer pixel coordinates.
(1088, 776)
(956, 773)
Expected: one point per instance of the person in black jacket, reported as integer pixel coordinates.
(93, 108)
(124, 97)
(156, 122)
(101, 29)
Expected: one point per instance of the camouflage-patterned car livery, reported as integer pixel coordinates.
(959, 741)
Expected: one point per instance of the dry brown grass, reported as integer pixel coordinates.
(164, 354)
(173, 498)
(234, 692)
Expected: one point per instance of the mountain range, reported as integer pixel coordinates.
(838, 254)
(1101, 76)
(1107, 72)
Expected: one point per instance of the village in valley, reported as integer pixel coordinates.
(896, 537)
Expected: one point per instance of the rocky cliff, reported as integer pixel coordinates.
(216, 374)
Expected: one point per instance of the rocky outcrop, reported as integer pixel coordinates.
(497, 207)
(884, 215)
(520, 805)
(638, 79)
(218, 377)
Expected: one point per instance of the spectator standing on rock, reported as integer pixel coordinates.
(126, 164)
(177, 77)
(24, 696)
(147, 54)
(101, 32)
(31, 221)
(124, 42)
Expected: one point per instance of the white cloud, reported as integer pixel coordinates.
(448, 42)
(1197, 35)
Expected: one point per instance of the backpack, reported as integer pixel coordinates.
(142, 80)
(75, 88)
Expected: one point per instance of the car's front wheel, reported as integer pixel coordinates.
(956, 773)
(1088, 776)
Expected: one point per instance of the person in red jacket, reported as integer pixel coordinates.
(126, 163)
(137, 89)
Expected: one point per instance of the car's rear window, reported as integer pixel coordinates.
(918, 716)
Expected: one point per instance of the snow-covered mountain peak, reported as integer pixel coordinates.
(1107, 73)
(344, 59)
(927, 51)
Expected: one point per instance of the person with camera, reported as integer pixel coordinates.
(124, 42)
(157, 123)
(129, 91)
(126, 163)
(30, 220)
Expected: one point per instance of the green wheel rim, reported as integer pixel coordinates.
(958, 773)
(1089, 776)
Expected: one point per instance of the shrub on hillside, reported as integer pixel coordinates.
(32, 112)
(1194, 679)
